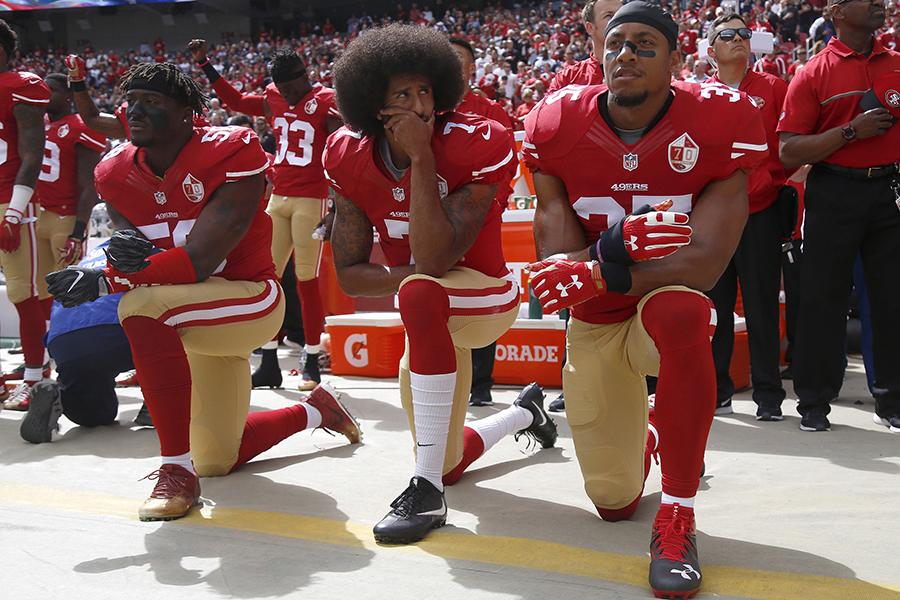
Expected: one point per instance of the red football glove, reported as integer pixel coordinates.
(10, 237)
(560, 283)
(75, 65)
(646, 234)
(73, 251)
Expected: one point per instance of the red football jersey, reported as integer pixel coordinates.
(467, 149)
(301, 135)
(674, 160)
(479, 105)
(585, 72)
(57, 186)
(15, 88)
(165, 210)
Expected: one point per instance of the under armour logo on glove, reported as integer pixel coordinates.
(563, 289)
(560, 283)
(646, 234)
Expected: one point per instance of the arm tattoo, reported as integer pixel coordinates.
(467, 212)
(351, 237)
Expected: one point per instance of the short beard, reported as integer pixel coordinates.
(630, 101)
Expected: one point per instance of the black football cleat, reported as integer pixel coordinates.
(674, 566)
(418, 510)
(542, 428)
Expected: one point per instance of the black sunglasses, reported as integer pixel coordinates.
(728, 34)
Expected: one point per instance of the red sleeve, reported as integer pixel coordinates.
(801, 107)
(749, 148)
(249, 104)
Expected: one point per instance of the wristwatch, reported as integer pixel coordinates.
(849, 132)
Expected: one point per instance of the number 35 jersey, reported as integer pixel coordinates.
(165, 209)
(301, 134)
(467, 149)
(707, 134)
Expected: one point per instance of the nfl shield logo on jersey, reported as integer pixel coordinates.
(192, 187)
(683, 154)
(399, 194)
(160, 197)
(630, 162)
(311, 106)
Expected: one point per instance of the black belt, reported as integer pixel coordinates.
(865, 173)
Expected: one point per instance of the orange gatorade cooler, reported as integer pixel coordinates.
(532, 350)
(366, 344)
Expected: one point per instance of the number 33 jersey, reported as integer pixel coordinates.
(301, 134)
(707, 134)
(165, 209)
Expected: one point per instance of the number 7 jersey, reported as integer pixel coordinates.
(707, 134)
(301, 134)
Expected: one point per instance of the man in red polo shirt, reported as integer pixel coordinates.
(757, 260)
(851, 208)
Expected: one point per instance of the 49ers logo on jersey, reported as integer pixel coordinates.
(63, 130)
(193, 188)
(892, 98)
(443, 188)
(311, 106)
(683, 154)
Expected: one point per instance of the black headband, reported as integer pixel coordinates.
(159, 85)
(289, 77)
(648, 14)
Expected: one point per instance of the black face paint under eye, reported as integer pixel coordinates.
(156, 115)
(611, 56)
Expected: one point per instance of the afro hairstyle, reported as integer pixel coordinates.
(363, 74)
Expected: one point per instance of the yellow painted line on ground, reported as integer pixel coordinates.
(505, 551)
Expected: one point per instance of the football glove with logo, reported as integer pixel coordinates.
(560, 283)
(72, 252)
(10, 236)
(128, 251)
(648, 233)
(75, 65)
(75, 285)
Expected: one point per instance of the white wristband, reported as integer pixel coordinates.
(21, 196)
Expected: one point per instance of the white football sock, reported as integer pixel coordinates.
(34, 374)
(182, 460)
(432, 407)
(686, 502)
(273, 345)
(312, 349)
(494, 428)
(313, 416)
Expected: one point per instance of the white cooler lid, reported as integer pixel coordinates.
(372, 319)
(548, 322)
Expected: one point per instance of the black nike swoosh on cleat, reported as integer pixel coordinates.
(423, 445)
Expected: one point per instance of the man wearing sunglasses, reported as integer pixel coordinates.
(852, 200)
(757, 260)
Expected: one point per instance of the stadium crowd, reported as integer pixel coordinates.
(518, 50)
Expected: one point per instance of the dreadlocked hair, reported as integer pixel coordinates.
(176, 83)
(363, 73)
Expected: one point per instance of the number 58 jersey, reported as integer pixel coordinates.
(706, 135)
(165, 209)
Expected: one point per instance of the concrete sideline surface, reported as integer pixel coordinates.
(782, 514)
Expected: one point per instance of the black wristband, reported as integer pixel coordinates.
(612, 245)
(78, 230)
(210, 72)
(617, 277)
(593, 253)
(78, 86)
